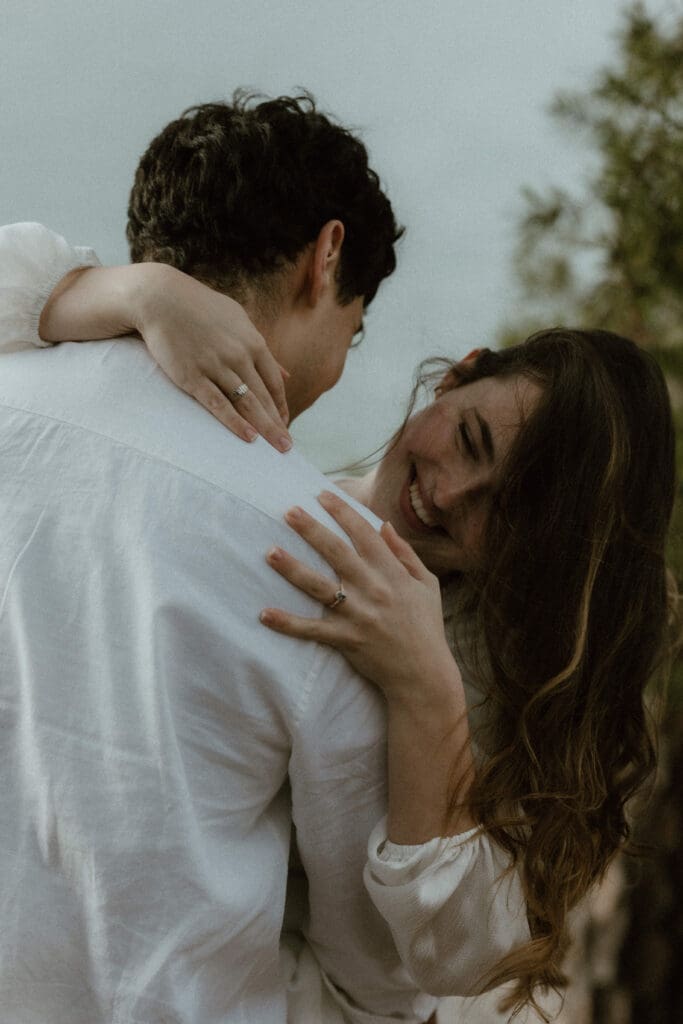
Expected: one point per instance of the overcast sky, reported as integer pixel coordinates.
(450, 97)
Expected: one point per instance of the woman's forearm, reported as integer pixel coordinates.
(101, 302)
(430, 764)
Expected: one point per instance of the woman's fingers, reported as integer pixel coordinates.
(379, 554)
(245, 414)
(215, 402)
(261, 373)
(403, 551)
(391, 626)
(359, 531)
(368, 543)
(329, 630)
(256, 406)
(205, 342)
(334, 550)
(306, 579)
(324, 631)
(273, 376)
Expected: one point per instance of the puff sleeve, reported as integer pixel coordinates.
(33, 259)
(453, 905)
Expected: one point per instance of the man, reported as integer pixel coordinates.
(149, 722)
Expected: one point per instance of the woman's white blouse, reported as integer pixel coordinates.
(33, 260)
(452, 909)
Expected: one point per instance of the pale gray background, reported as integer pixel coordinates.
(449, 95)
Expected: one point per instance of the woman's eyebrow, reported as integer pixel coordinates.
(486, 439)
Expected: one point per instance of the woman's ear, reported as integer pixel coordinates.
(325, 259)
(453, 377)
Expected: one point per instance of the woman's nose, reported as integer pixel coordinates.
(450, 492)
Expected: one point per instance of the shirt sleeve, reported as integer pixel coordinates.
(454, 906)
(338, 781)
(33, 259)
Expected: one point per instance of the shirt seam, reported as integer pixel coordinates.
(322, 655)
(147, 456)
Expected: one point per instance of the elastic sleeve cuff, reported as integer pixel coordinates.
(33, 259)
(454, 905)
(394, 864)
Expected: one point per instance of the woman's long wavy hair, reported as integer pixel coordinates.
(571, 607)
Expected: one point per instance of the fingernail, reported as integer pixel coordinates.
(294, 514)
(326, 496)
(274, 554)
(250, 435)
(284, 443)
(266, 617)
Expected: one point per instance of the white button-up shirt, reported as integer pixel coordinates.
(149, 722)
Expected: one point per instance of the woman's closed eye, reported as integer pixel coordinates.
(470, 447)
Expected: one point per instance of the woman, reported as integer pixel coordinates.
(549, 540)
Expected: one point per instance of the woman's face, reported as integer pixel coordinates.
(436, 483)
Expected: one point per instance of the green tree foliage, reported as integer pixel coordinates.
(611, 255)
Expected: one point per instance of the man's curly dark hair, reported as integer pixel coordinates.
(233, 192)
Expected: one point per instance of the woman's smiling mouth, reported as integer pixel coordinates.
(418, 518)
(418, 505)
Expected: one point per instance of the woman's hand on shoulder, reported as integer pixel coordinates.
(205, 342)
(389, 624)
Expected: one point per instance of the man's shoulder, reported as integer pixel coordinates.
(115, 390)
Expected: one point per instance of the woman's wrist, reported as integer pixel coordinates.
(436, 720)
(144, 293)
(427, 687)
(103, 302)
(430, 758)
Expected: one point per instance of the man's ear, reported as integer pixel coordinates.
(453, 377)
(325, 259)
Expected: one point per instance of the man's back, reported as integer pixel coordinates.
(148, 720)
